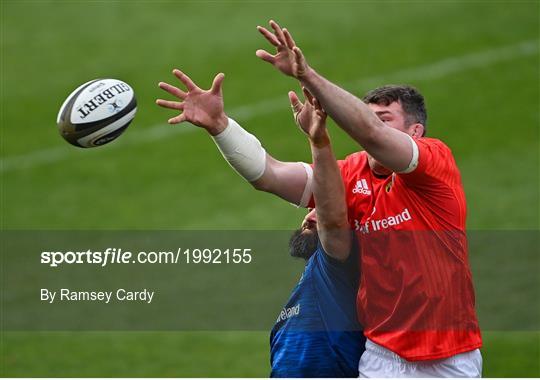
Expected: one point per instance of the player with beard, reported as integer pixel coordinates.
(317, 333)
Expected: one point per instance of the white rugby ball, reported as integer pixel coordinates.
(97, 112)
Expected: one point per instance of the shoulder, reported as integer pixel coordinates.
(332, 272)
(356, 161)
(326, 261)
(356, 157)
(435, 146)
(436, 154)
(436, 164)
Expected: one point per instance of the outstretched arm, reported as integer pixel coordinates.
(243, 151)
(390, 147)
(328, 189)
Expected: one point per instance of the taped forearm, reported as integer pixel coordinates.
(242, 150)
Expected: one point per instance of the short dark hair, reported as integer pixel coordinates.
(409, 97)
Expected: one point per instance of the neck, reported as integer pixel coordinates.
(379, 170)
(381, 175)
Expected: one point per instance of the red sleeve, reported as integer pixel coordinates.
(343, 168)
(437, 181)
(436, 164)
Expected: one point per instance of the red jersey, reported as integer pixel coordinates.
(416, 296)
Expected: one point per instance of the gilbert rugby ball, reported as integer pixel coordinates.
(97, 112)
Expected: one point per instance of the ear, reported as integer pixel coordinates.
(417, 130)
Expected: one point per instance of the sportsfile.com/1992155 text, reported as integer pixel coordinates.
(119, 256)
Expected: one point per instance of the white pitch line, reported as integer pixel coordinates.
(160, 131)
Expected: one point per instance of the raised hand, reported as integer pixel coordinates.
(203, 108)
(288, 58)
(310, 117)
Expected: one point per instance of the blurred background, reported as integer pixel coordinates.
(477, 64)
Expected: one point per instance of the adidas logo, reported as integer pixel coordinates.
(361, 187)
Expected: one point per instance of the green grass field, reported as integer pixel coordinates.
(477, 63)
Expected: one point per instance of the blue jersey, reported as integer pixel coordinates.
(317, 333)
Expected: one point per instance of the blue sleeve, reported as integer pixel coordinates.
(348, 269)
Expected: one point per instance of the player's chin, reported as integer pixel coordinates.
(303, 242)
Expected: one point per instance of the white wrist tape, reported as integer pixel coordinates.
(414, 160)
(242, 150)
(308, 191)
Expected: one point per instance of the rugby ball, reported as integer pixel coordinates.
(97, 112)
